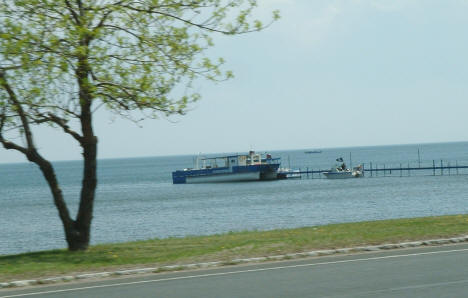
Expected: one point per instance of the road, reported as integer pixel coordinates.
(418, 272)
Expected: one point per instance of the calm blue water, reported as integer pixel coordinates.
(137, 200)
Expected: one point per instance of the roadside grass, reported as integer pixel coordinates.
(226, 247)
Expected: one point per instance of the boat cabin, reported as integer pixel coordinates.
(232, 161)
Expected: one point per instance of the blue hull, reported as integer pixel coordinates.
(224, 174)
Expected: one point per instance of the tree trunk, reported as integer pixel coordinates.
(76, 237)
(82, 227)
(77, 232)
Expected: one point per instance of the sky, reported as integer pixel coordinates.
(327, 74)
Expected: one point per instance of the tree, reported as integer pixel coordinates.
(62, 60)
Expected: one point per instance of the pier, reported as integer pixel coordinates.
(371, 170)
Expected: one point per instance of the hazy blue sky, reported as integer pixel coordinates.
(327, 74)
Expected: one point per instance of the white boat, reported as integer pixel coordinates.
(287, 173)
(340, 171)
(336, 173)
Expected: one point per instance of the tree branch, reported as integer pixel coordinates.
(60, 122)
(72, 12)
(15, 102)
(152, 10)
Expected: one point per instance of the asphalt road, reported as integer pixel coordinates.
(419, 272)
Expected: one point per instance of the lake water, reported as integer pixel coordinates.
(137, 200)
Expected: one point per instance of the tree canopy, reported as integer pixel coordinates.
(61, 60)
(129, 55)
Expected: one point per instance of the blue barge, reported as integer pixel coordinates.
(247, 167)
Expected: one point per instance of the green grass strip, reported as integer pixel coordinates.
(225, 247)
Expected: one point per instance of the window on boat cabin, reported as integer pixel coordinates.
(241, 160)
(233, 161)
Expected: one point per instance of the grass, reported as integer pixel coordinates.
(225, 247)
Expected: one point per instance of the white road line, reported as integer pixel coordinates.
(235, 272)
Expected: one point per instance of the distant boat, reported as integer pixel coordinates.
(247, 167)
(313, 151)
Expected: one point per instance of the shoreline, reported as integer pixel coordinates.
(226, 249)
